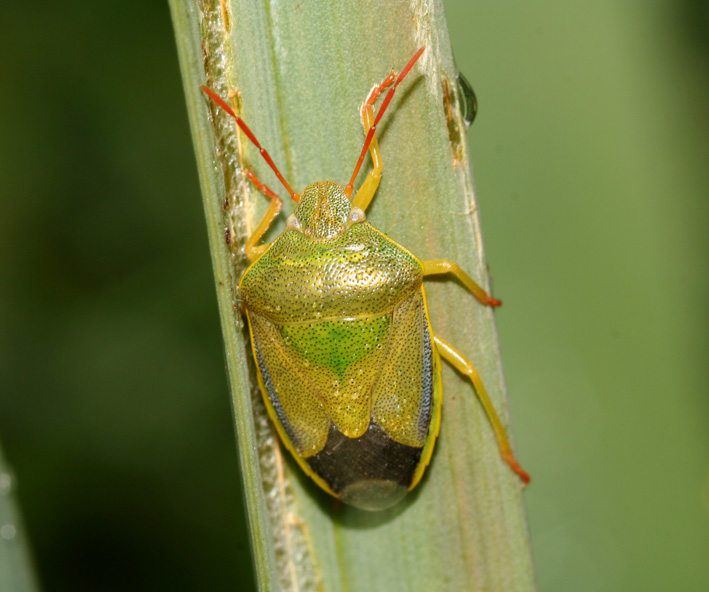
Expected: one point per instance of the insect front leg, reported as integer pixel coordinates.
(253, 251)
(463, 365)
(365, 193)
(439, 266)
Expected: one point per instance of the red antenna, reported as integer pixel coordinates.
(245, 128)
(373, 129)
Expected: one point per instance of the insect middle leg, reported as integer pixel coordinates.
(440, 266)
(463, 365)
(365, 193)
(253, 250)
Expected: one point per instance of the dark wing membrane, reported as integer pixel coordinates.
(374, 457)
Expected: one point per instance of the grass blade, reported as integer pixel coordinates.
(302, 70)
(16, 572)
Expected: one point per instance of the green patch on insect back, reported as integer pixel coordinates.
(338, 346)
(315, 381)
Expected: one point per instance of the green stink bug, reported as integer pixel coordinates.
(348, 364)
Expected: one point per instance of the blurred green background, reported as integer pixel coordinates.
(591, 157)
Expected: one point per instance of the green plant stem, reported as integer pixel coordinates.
(303, 69)
(16, 570)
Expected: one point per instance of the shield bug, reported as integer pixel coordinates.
(348, 364)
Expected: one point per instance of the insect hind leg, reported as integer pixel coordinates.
(463, 365)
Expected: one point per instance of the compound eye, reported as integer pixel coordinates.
(357, 215)
(292, 223)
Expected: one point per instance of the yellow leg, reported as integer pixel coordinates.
(439, 266)
(371, 128)
(253, 251)
(366, 192)
(465, 366)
